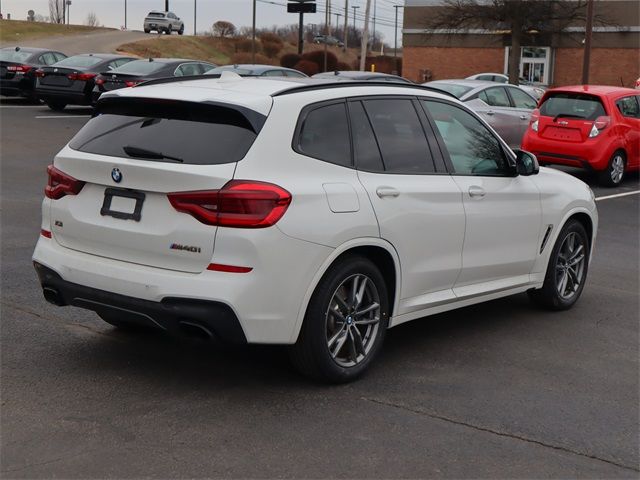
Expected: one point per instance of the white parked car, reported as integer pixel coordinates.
(535, 91)
(166, 22)
(305, 213)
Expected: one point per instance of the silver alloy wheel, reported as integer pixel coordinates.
(570, 265)
(617, 168)
(352, 320)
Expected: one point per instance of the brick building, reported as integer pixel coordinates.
(546, 59)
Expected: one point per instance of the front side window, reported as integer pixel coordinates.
(628, 107)
(324, 134)
(400, 135)
(472, 148)
(495, 97)
(522, 99)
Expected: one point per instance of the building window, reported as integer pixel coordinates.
(534, 64)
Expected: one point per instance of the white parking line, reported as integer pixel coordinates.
(617, 195)
(63, 116)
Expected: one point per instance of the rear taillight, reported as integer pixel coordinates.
(83, 77)
(600, 124)
(535, 117)
(99, 81)
(239, 204)
(131, 83)
(19, 68)
(45, 233)
(61, 184)
(39, 73)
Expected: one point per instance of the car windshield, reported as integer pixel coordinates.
(577, 105)
(81, 61)
(10, 55)
(139, 67)
(456, 90)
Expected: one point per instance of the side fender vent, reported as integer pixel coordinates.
(547, 234)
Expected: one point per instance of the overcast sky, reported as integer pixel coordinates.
(269, 12)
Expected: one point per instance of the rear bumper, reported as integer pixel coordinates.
(73, 98)
(20, 86)
(593, 154)
(169, 314)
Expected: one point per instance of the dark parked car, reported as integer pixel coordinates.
(139, 71)
(362, 76)
(257, 70)
(18, 66)
(71, 81)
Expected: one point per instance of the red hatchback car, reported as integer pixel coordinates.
(589, 126)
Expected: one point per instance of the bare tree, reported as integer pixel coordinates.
(223, 28)
(92, 20)
(520, 18)
(56, 11)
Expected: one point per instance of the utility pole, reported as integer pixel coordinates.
(64, 11)
(395, 41)
(338, 15)
(587, 43)
(327, 19)
(68, 2)
(365, 37)
(195, 16)
(300, 33)
(125, 14)
(346, 25)
(253, 34)
(166, 5)
(373, 39)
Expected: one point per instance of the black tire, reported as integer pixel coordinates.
(169, 30)
(115, 321)
(181, 31)
(311, 355)
(56, 106)
(612, 176)
(549, 296)
(146, 30)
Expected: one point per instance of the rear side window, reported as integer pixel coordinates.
(324, 134)
(180, 132)
(572, 105)
(628, 107)
(400, 136)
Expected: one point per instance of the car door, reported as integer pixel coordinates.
(629, 109)
(499, 114)
(503, 210)
(418, 206)
(523, 105)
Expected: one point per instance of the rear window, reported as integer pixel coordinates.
(140, 67)
(156, 14)
(572, 105)
(81, 61)
(455, 90)
(168, 131)
(239, 71)
(10, 55)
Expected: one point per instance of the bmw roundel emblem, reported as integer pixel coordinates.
(116, 175)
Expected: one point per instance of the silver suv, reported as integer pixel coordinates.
(166, 22)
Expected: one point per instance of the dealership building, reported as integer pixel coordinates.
(546, 58)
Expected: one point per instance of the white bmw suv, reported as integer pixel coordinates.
(308, 213)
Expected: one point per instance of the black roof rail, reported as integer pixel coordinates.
(356, 83)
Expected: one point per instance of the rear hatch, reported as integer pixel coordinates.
(56, 77)
(569, 116)
(128, 158)
(129, 74)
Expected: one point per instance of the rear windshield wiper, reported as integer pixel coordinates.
(565, 115)
(138, 152)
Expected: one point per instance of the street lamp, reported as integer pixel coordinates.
(253, 34)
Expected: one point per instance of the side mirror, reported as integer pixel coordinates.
(526, 163)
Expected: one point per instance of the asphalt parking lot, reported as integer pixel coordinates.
(499, 390)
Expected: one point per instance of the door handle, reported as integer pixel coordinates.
(476, 191)
(523, 117)
(387, 192)
(490, 112)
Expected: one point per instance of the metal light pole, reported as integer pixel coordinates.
(253, 34)
(587, 43)
(373, 37)
(395, 40)
(125, 14)
(195, 16)
(327, 19)
(300, 33)
(68, 2)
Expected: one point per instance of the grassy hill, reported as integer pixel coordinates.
(17, 30)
